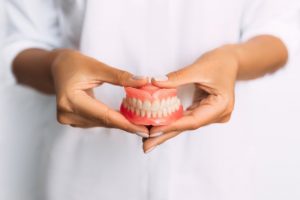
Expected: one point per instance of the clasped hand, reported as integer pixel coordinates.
(75, 76)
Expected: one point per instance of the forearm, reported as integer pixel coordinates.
(32, 67)
(259, 56)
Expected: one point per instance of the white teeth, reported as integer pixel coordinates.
(143, 113)
(134, 100)
(148, 114)
(147, 105)
(139, 104)
(159, 114)
(177, 104)
(156, 109)
(154, 114)
(155, 105)
(169, 110)
(137, 112)
(174, 108)
(163, 104)
(165, 112)
(169, 101)
(173, 100)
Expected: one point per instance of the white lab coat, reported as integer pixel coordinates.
(218, 162)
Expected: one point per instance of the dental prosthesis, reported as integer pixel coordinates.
(151, 105)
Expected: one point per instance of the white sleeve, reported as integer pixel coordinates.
(280, 18)
(29, 24)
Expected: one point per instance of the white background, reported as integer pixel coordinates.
(271, 105)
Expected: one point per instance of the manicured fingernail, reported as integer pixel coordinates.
(138, 77)
(156, 134)
(150, 149)
(160, 78)
(144, 135)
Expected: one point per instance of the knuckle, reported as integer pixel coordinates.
(63, 105)
(174, 75)
(122, 76)
(225, 119)
(228, 105)
(194, 124)
(106, 118)
(62, 119)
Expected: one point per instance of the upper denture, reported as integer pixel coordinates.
(151, 102)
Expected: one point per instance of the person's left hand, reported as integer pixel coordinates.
(214, 75)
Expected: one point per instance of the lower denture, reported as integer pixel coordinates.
(150, 105)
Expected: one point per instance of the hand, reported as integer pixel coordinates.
(214, 76)
(75, 76)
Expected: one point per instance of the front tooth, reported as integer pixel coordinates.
(165, 113)
(148, 114)
(174, 107)
(147, 105)
(134, 100)
(139, 104)
(173, 100)
(169, 101)
(177, 103)
(169, 110)
(154, 114)
(177, 106)
(155, 105)
(143, 113)
(137, 112)
(159, 114)
(162, 104)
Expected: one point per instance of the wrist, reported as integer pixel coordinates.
(226, 58)
(232, 53)
(56, 57)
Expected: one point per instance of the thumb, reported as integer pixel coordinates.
(174, 79)
(122, 78)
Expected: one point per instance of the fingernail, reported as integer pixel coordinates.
(156, 134)
(160, 78)
(144, 135)
(150, 149)
(138, 77)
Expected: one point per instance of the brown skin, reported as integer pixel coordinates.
(72, 77)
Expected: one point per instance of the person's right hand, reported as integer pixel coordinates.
(75, 75)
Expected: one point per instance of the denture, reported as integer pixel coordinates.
(151, 105)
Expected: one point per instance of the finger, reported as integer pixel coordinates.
(175, 79)
(149, 143)
(202, 115)
(120, 77)
(97, 111)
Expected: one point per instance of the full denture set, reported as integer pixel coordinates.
(150, 105)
